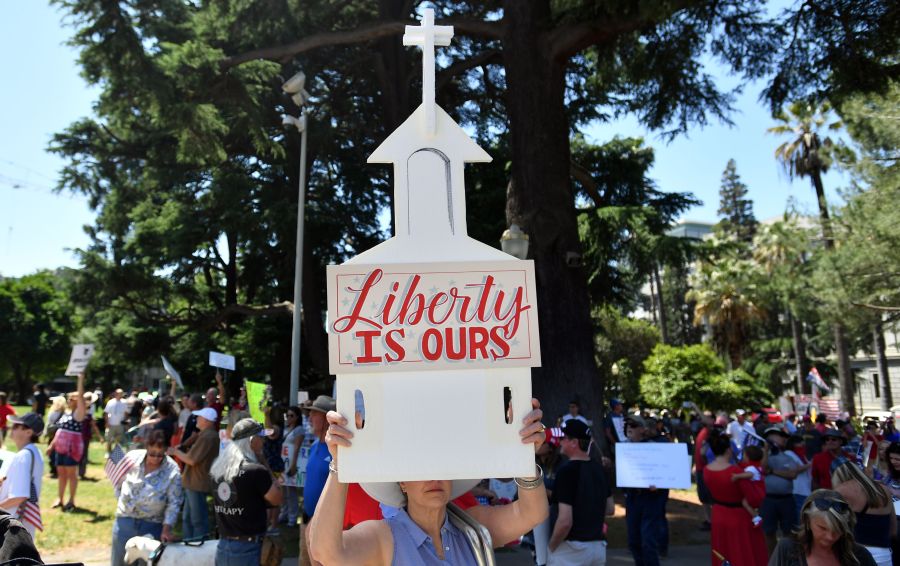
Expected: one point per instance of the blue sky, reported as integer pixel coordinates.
(43, 93)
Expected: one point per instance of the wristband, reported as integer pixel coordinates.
(532, 483)
(332, 467)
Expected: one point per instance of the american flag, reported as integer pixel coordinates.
(117, 465)
(30, 511)
(816, 379)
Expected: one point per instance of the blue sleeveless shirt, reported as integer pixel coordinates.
(413, 547)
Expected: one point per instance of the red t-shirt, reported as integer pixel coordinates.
(361, 507)
(220, 408)
(821, 468)
(5, 411)
(699, 460)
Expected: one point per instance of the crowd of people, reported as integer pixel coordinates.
(802, 491)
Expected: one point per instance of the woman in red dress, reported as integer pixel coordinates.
(734, 537)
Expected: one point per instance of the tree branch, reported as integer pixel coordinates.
(876, 307)
(583, 176)
(463, 65)
(367, 32)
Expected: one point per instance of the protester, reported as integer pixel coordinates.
(581, 498)
(272, 449)
(167, 418)
(20, 492)
(700, 446)
(68, 445)
(734, 539)
(833, 442)
(740, 427)
(753, 462)
(644, 508)
(243, 487)
(88, 430)
(802, 486)
(825, 535)
(195, 403)
(6, 410)
(548, 458)
(316, 468)
(149, 497)
(39, 400)
(614, 425)
(778, 509)
(57, 410)
(575, 412)
(195, 478)
(876, 523)
(293, 435)
(215, 397)
(812, 438)
(420, 532)
(114, 414)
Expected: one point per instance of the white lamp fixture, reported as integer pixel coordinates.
(515, 242)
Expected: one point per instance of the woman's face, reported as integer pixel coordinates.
(155, 455)
(822, 534)
(894, 459)
(431, 493)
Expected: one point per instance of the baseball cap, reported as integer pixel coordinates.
(31, 420)
(614, 403)
(740, 412)
(207, 413)
(574, 428)
(248, 427)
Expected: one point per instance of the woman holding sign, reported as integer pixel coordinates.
(422, 515)
(68, 445)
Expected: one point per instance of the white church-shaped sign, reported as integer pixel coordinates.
(432, 332)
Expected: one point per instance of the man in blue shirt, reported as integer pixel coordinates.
(316, 467)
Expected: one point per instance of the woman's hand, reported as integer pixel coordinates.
(336, 435)
(532, 430)
(166, 535)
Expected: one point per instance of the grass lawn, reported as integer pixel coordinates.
(90, 525)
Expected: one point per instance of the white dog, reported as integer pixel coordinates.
(179, 553)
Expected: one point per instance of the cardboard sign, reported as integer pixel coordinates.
(302, 397)
(410, 317)
(78, 361)
(171, 371)
(221, 361)
(431, 331)
(659, 464)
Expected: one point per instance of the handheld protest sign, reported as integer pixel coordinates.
(221, 361)
(171, 371)
(78, 361)
(432, 357)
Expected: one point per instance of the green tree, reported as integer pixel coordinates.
(809, 154)
(622, 344)
(736, 210)
(676, 374)
(36, 323)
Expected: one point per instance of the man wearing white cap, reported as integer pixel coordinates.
(739, 428)
(195, 479)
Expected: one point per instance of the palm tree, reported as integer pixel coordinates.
(724, 293)
(807, 154)
(779, 249)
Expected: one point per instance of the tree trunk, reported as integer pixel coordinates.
(881, 361)
(845, 375)
(542, 202)
(799, 353)
(663, 322)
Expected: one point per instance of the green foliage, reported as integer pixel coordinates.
(621, 346)
(736, 210)
(675, 374)
(36, 320)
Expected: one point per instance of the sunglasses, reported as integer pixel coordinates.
(824, 504)
(156, 454)
(18, 425)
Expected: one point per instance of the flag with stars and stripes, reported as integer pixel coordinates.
(30, 511)
(118, 464)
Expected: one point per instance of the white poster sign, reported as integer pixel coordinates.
(659, 464)
(171, 371)
(221, 361)
(81, 356)
(432, 322)
(302, 397)
(432, 316)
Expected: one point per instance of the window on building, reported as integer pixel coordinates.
(876, 385)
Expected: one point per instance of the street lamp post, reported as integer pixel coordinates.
(294, 87)
(515, 242)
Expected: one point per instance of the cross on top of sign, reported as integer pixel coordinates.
(427, 36)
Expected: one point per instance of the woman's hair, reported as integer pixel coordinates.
(59, 404)
(894, 448)
(228, 463)
(164, 407)
(718, 441)
(840, 522)
(156, 438)
(848, 471)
